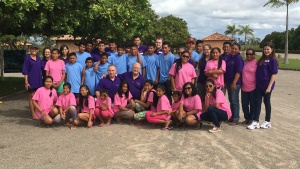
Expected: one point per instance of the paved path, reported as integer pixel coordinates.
(25, 144)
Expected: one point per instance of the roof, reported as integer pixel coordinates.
(65, 37)
(218, 36)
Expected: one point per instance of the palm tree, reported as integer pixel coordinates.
(245, 29)
(231, 29)
(277, 4)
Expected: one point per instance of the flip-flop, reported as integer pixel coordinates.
(167, 128)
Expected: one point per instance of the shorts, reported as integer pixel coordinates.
(31, 90)
(60, 88)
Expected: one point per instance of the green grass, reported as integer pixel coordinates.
(10, 85)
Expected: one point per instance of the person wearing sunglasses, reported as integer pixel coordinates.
(44, 102)
(190, 106)
(182, 72)
(216, 108)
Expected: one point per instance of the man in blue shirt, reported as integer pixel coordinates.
(81, 54)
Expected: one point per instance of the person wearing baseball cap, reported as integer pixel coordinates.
(34, 46)
(190, 47)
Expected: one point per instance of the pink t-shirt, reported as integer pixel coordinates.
(175, 105)
(101, 102)
(45, 102)
(66, 100)
(91, 105)
(150, 99)
(118, 101)
(184, 75)
(55, 69)
(221, 99)
(248, 76)
(213, 65)
(164, 104)
(192, 103)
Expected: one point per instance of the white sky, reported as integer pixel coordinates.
(205, 17)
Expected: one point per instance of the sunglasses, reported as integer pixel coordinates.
(208, 86)
(185, 56)
(188, 88)
(249, 54)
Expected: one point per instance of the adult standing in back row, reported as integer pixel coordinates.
(141, 48)
(164, 64)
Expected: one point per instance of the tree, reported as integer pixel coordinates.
(277, 4)
(245, 29)
(231, 29)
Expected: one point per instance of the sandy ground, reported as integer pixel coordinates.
(25, 144)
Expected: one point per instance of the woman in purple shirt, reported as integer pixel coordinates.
(64, 53)
(267, 68)
(46, 57)
(33, 75)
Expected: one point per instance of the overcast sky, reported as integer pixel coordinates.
(205, 17)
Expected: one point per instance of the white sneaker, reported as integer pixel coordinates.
(266, 125)
(253, 125)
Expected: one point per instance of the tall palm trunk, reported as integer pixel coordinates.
(286, 61)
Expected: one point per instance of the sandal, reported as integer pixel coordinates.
(234, 123)
(167, 128)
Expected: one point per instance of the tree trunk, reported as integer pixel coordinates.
(286, 61)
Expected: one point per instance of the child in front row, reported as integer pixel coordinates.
(103, 108)
(162, 114)
(175, 106)
(86, 107)
(123, 103)
(67, 104)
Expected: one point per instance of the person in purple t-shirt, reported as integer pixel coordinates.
(233, 80)
(33, 75)
(64, 53)
(111, 82)
(135, 80)
(46, 57)
(142, 49)
(158, 46)
(267, 68)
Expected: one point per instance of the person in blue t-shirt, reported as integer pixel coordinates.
(89, 77)
(81, 54)
(112, 48)
(135, 56)
(102, 67)
(151, 60)
(119, 60)
(73, 73)
(165, 62)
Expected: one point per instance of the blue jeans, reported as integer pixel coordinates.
(233, 97)
(267, 101)
(214, 115)
(248, 104)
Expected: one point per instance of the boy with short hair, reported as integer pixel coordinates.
(151, 59)
(89, 77)
(135, 56)
(73, 73)
(119, 60)
(81, 54)
(102, 67)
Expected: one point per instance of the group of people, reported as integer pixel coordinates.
(149, 83)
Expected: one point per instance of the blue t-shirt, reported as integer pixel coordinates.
(132, 59)
(196, 56)
(119, 62)
(90, 79)
(151, 68)
(102, 69)
(73, 72)
(165, 63)
(81, 57)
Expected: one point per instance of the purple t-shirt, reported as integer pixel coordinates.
(158, 52)
(32, 68)
(224, 57)
(111, 85)
(65, 60)
(264, 73)
(135, 85)
(97, 56)
(43, 64)
(143, 49)
(233, 65)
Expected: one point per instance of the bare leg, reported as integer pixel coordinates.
(32, 109)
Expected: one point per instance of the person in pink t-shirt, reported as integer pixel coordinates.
(162, 114)
(145, 103)
(215, 68)
(248, 86)
(216, 108)
(123, 104)
(182, 72)
(190, 106)
(86, 107)
(103, 108)
(67, 104)
(44, 102)
(176, 96)
(56, 68)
